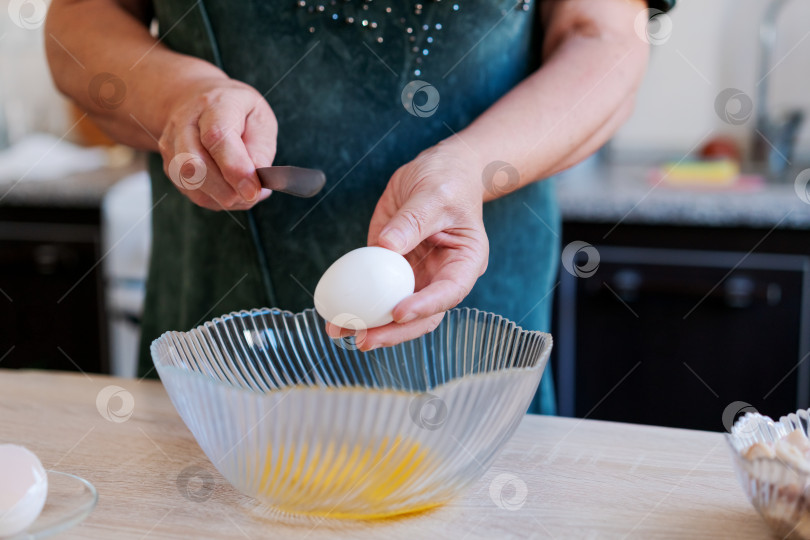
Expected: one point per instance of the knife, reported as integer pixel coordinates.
(296, 181)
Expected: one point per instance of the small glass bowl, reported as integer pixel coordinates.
(780, 491)
(70, 499)
(312, 426)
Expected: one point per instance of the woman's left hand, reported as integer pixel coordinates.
(430, 212)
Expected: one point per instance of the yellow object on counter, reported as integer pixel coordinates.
(712, 173)
(350, 481)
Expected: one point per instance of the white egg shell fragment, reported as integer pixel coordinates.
(23, 488)
(361, 288)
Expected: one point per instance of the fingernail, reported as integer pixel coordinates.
(407, 318)
(394, 238)
(247, 190)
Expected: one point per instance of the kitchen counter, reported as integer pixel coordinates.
(626, 194)
(583, 478)
(77, 190)
(588, 193)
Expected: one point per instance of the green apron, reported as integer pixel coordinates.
(335, 87)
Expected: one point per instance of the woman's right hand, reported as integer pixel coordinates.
(217, 132)
(214, 131)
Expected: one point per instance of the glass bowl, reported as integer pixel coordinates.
(70, 499)
(778, 489)
(311, 425)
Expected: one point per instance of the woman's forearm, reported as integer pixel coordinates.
(565, 111)
(88, 39)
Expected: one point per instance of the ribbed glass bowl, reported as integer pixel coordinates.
(778, 490)
(313, 426)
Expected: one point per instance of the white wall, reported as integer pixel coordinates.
(713, 45)
(27, 95)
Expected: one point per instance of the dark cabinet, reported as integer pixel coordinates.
(672, 336)
(51, 289)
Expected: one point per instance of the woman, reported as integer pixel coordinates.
(431, 121)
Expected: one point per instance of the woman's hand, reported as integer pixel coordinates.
(430, 212)
(217, 133)
(212, 131)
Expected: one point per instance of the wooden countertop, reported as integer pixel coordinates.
(583, 478)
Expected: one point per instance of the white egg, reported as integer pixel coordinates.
(361, 288)
(23, 488)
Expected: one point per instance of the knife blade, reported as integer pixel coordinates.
(296, 181)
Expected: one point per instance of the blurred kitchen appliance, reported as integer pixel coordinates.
(126, 243)
(672, 335)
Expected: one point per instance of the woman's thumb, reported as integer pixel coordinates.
(412, 223)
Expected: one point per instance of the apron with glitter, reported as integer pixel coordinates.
(334, 74)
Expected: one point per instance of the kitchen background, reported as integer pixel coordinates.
(683, 297)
